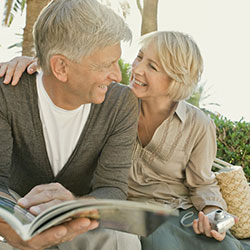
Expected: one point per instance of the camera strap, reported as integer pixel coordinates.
(185, 217)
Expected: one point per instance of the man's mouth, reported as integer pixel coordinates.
(102, 86)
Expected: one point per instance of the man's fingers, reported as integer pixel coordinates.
(78, 226)
(62, 233)
(43, 206)
(44, 194)
(48, 238)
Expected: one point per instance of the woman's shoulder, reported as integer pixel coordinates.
(197, 115)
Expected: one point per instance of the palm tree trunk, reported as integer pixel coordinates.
(34, 7)
(149, 16)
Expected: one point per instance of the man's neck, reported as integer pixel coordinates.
(57, 92)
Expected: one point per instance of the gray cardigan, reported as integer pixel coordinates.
(100, 162)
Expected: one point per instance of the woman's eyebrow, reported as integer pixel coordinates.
(152, 61)
(149, 59)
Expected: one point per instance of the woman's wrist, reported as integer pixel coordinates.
(209, 209)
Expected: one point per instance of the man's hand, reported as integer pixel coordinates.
(37, 200)
(53, 236)
(44, 196)
(14, 69)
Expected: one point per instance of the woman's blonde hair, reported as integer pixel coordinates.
(181, 60)
(75, 28)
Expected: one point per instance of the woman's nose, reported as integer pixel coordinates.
(137, 67)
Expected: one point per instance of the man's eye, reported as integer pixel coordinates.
(107, 66)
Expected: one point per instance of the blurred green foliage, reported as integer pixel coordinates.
(233, 142)
(125, 70)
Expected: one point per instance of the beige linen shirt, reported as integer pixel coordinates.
(175, 167)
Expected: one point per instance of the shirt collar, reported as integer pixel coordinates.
(181, 110)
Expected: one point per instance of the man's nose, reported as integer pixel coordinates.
(116, 74)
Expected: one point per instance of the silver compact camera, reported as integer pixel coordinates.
(220, 220)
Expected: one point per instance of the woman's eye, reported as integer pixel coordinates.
(152, 67)
(139, 57)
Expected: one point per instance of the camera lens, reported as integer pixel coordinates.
(219, 214)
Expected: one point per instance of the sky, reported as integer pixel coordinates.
(219, 27)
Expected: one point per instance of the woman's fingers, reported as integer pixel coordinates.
(14, 69)
(200, 222)
(206, 226)
(202, 226)
(218, 236)
(32, 67)
(195, 227)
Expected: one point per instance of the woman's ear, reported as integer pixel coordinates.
(59, 67)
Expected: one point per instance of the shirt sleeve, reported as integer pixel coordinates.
(200, 179)
(6, 144)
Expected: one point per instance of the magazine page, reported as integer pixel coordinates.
(17, 217)
(21, 214)
(128, 216)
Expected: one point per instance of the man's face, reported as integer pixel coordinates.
(88, 80)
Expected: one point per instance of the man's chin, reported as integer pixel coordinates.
(99, 100)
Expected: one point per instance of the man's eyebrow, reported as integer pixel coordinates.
(97, 65)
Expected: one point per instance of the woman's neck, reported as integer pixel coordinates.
(157, 108)
(151, 117)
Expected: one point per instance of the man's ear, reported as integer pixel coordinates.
(59, 67)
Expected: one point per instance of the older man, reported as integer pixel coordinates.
(68, 131)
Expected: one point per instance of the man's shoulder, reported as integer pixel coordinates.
(118, 88)
(119, 100)
(24, 91)
(24, 82)
(120, 92)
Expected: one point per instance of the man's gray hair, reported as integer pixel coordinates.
(76, 28)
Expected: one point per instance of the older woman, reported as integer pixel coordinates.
(176, 143)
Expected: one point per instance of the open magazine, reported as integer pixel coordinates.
(127, 216)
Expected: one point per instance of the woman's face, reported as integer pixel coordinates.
(148, 78)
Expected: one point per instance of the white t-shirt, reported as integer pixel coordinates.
(61, 128)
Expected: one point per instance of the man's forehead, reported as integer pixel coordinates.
(104, 55)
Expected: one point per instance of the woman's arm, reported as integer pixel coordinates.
(14, 69)
(204, 191)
